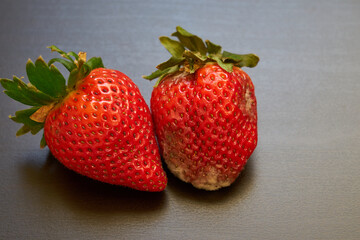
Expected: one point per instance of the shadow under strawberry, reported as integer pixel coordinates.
(238, 189)
(54, 182)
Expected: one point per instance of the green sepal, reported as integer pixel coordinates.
(190, 41)
(226, 66)
(83, 69)
(23, 130)
(175, 48)
(73, 54)
(192, 60)
(76, 75)
(67, 64)
(169, 71)
(212, 48)
(43, 142)
(169, 63)
(194, 55)
(63, 54)
(47, 79)
(156, 74)
(94, 62)
(23, 116)
(241, 60)
(28, 95)
(161, 74)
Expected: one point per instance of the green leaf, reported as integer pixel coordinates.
(191, 41)
(95, 62)
(241, 60)
(46, 79)
(169, 63)
(212, 48)
(67, 64)
(19, 91)
(175, 48)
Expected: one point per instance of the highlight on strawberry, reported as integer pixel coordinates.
(96, 123)
(204, 111)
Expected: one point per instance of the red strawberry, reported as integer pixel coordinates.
(98, 125)
(204, 110)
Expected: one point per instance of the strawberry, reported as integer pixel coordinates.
(204, 111)
(97, 125)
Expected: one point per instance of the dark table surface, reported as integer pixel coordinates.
(302, 182)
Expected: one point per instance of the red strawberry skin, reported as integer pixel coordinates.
(104, 130)
(206, 124)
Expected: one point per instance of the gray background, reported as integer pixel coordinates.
(302, 181)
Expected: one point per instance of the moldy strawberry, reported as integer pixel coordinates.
(204, 110)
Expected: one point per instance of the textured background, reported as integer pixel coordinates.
(302, 181)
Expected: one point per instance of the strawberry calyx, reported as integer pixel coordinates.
(46, 88)
(190, 53)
